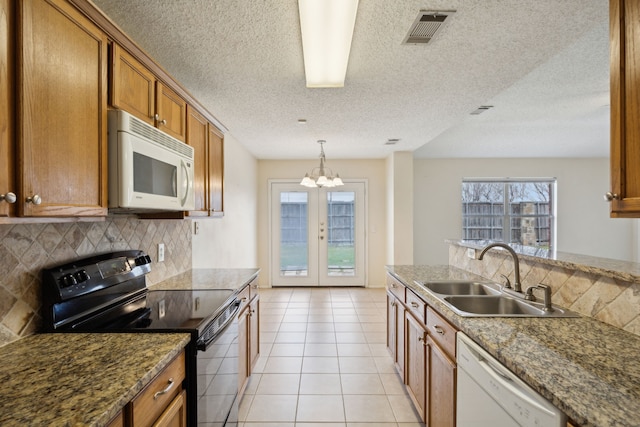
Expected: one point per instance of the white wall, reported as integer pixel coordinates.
(231, 241)
(399, 167)
(373, 170)
(584, 226)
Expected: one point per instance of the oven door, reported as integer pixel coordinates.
(217, 369)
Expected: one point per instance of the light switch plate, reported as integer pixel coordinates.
(471, 253)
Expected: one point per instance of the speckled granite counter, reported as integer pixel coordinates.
(588, 369)
(78, 379)
(208, 278)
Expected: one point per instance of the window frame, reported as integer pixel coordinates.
(507, 214)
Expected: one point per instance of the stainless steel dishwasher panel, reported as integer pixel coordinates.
(489, 395)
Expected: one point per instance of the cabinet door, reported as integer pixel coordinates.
(62, 113)
(176, 413)
(216, 171)
(416, 366)
(392, 341)
(198, 138)
(171, 112)
(132, 86)
(442, 382)
(254, 332)
(6, 111)
(243, 350)
(395, 332)
(624, 30)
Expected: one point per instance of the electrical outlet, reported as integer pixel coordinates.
(196, 227)
(161, 309)
(160, 252)
(471, 253)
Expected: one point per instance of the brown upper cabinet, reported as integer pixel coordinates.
(135, 89)
(624, 27)
(207, 142)
(61, 99)
(7, 184)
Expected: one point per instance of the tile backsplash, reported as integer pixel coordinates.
(605, 298)
(25, 249)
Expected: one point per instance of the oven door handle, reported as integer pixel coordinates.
(203, 345)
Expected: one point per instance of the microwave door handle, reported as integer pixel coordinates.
(174, 181)
(187, 182)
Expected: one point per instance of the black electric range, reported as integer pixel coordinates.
(108, 293)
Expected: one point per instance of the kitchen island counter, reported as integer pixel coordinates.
(79, 379)
(586, 368)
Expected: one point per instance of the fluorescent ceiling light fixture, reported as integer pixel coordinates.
(327, 30)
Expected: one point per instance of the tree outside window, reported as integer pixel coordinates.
(519, 211)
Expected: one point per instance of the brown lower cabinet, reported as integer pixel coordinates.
(248, 333)
(163, 401)
(424, 354)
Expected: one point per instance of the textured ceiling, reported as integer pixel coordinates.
(542, 64)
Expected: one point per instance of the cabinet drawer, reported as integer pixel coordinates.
(243, 297)
(147, 406)
(396, 288)
(442, 332)
(416, 306)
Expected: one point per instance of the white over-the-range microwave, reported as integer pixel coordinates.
(148, 169)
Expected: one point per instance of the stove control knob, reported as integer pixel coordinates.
(143, 259)
(68, 280)
(81, 276)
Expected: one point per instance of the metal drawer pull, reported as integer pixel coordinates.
(423, 339)
(165, 391)
(438, 329)
(415, 304)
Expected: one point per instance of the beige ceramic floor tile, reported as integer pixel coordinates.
(361, 384)
(320, 350)
(357, 365)
(320, 384)
(272, 408)
(283, 365)
(287, 350)
(403, 409)
(320, 365)
(320, 408)
(368, 408)
(279, 384)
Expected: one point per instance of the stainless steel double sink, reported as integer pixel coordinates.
(487, 299)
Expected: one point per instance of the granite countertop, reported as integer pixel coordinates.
(77, 380)
(208, 278)
(588, 369)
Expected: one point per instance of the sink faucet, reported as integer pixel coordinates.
(547, 296)
(516, 264)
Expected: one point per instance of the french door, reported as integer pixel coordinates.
(317, 235)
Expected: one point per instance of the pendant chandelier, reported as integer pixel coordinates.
(321, 176)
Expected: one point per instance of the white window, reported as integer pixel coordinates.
(511, 210)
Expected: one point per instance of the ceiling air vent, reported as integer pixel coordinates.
(426, 26)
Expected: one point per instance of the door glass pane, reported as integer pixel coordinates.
(294, 220)
(340, 235)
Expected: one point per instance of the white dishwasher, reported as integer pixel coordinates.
(489, 395)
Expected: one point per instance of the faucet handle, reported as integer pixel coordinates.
(528, 294)
(507, 285)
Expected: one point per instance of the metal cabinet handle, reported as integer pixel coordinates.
(415, 304)
(160, 122)
(438, 329)
(9, 197)
(609, 196)
(423, 339)
(35, 199)
(165, 390)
